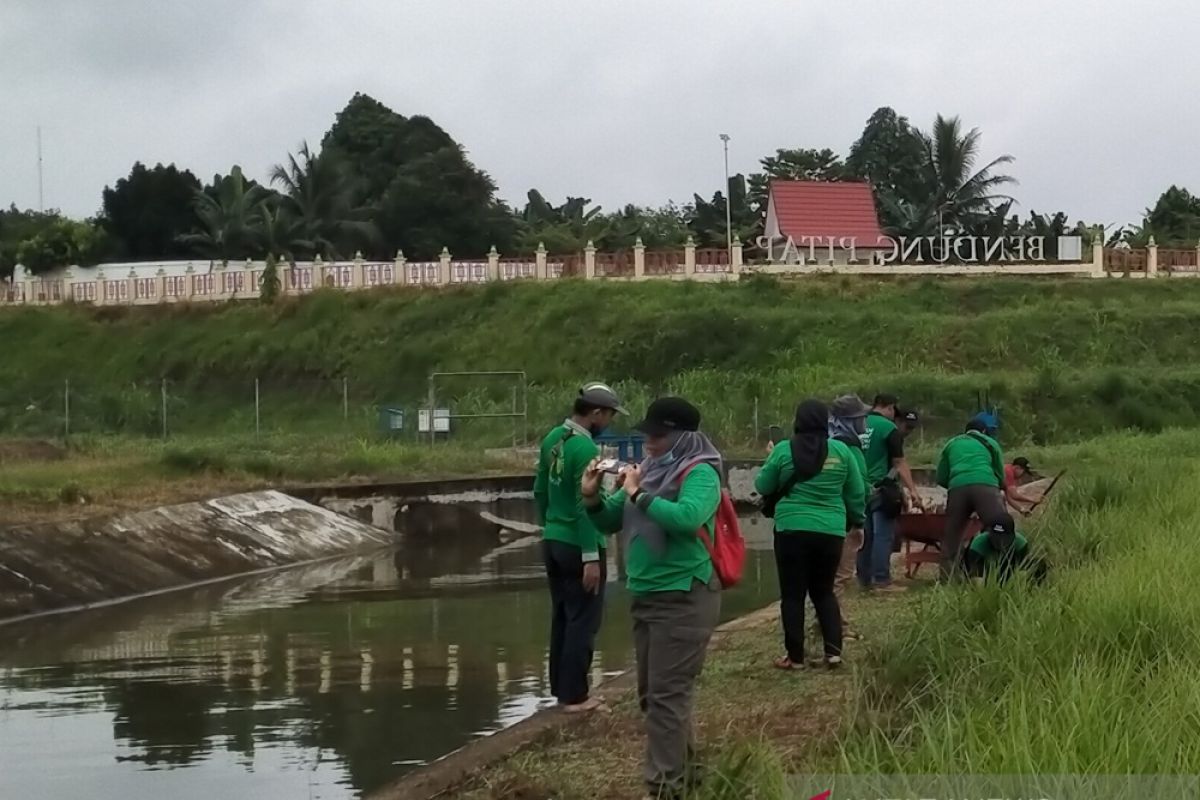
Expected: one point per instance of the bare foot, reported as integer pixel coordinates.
(587, 706)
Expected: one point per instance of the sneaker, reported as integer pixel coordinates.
(833, 662)
(786, 663)
(888, 588)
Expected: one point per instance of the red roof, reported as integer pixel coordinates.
(821, 208)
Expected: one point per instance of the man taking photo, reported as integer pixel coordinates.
(572, 547)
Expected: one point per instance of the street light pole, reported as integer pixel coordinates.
(728, 202)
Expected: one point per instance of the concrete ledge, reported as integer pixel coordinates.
(48, 568)
(450, 772)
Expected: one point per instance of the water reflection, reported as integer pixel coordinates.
(330, 680)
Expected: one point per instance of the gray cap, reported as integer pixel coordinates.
(848, 406)
(602, 396)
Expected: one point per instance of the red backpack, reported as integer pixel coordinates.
(728, 552)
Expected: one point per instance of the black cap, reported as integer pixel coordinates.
(669, 414)
(908, 415)
(1023, 463)
(601, 396)
(1003, 524)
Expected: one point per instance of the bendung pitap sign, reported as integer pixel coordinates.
(922, 249)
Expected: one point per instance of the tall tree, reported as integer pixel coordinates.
(425, 192)
(229, 212)
(147, 211)
(794, 165)
(318, 210)
(891, 155)
(1174, 221)
(16, 227)
(950, 187)
(708, 217)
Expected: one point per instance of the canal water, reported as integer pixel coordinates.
(324, 681)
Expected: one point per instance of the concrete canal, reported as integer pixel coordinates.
(322, 681)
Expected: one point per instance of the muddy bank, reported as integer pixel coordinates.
(52, 567)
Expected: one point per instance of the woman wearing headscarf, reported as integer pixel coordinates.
(823, 492)
(659, 508)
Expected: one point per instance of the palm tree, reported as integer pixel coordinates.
(951, 189)
(319, 198)
(229, 216)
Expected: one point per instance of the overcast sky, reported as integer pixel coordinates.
(616, 100)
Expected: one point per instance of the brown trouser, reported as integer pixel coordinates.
(846, 568)
(984, 501)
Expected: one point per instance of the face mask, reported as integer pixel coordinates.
(596, 429)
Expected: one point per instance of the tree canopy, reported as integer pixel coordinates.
(147, 212)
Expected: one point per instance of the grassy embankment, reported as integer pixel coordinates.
(1093, 673)
(1065, 359)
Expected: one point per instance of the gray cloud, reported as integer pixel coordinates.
(620, 101)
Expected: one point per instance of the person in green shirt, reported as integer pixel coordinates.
(971, 469)
(1000, 550)
(660, 507)
(572, 547)
(883, 447)
(847, 423)
(824, 491)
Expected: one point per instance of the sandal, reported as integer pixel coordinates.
(788, 664)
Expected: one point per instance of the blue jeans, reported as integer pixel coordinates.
(875, 558)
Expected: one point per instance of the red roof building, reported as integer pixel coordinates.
(824, 221)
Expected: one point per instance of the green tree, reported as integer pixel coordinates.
(890, 155)
(419, 183)
(950, 192)
(566, 228)
(229, 213)
(17, 226)
(1174, 221)
(269, 289)
(794, 165)
(62, 243)
(707, 222)
(318, 210)
(148, 211)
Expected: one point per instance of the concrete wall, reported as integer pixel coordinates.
(52, 567)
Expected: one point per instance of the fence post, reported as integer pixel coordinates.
(67, 409)
(689, 257)
(399, 273)
(493, 264)
(639, 259)
(589, 261)
(257, 410)
(68, 290)
(1098, 253)
(443, 278)
(131, 282)
(542, 269)
(162, 285)
(735, 265)
(1152, 258)
(357, 278)
(164, 408)
(345, 398)
(102, 287)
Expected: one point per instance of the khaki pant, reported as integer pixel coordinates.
(846, 567)
(671, 631)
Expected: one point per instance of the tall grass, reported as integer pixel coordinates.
(1096, 672)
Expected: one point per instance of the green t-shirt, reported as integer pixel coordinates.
(981, 547)
(566, 452)
(685, 559)
(824, 503)
(882, 443)
(971, 459)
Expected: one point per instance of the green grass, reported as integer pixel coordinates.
(1096, 672)
(1065, 358)
(104, 473)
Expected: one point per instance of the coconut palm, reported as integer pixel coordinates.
(229, 217)
(319, 196)
(949, 188)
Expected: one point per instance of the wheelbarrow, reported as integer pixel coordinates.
(926, 530)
